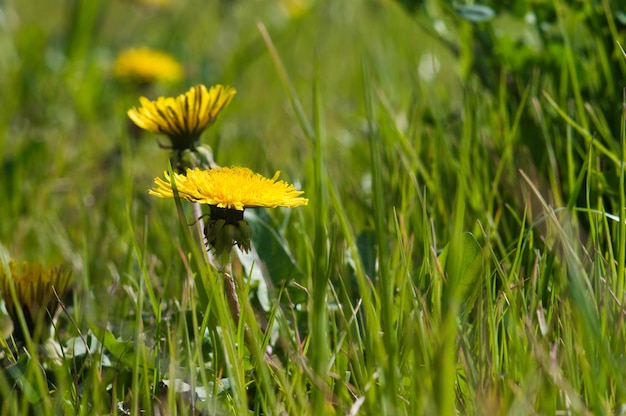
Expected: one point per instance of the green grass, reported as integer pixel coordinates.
(463, 249)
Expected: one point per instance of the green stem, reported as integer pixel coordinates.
(224, 265)
(226, 270)
(384, 276)
(622, 201)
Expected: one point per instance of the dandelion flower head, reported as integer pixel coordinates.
(182, 118)
(33, 289)
(232, 188)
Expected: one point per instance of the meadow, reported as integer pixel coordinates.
(462, 250)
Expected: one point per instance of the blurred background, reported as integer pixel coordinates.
(70, 157)
(73, 166)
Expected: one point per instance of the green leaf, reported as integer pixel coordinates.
(475, 13)
(470, 265)
(272, 247)
(75, 347)
(366, 243)
(19, 373)
(123, 351)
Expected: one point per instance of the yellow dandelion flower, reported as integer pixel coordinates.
(232, 188)
(182, 118)
(228, 191)
(147, 65)
(33, 289)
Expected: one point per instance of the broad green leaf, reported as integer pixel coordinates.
(271, 247)
(20, 374)
(123, 351)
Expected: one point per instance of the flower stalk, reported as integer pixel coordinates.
(197, 179)
(227, 191)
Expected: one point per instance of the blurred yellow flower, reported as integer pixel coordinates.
(147, 65)
(232, 188)
(34, 295)
(182, 118)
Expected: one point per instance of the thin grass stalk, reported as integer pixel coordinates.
(510, 141)
(318, 316)
(198, 278)
(224, 266)
(229, 279)
(589, 138)
(386, 284)
(446, 354)
(34, 364)
(84, 18)
(622, 213)
(571, 66)
(138, 364)
(229, 343)
(194, 352)
(370, 339)
(246, 328)
(287, 84)
(600, 359)
(212, 300)
(319, 323)
(6, 386)
(257, 347)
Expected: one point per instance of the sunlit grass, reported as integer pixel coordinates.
(462, 251)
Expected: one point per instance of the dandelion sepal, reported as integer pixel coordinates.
(225, 228)
(199, 157)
